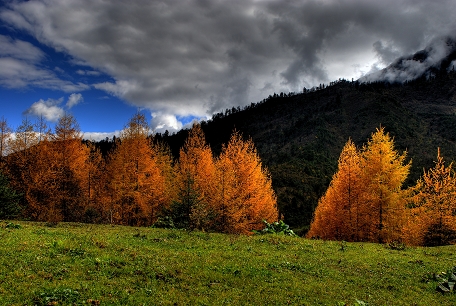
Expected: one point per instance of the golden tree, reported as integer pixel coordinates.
(432, 219)
(195, 177)
(31, 167)
(364, 201)
(71, 157)
(244, 188)
(136, 182)
(97, 195)
(384, 172)
(339, 214)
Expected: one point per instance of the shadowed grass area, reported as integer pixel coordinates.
(80, 264)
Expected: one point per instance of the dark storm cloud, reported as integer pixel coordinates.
(195, 57)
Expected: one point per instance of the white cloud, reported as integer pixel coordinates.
(52, 109)
(97, 136)
(20, 50)
(162, 122)
(88, 72)
(20, 67)
(74, 99)
(49, 109)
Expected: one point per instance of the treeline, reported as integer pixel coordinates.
(366, 202)
(62, 178)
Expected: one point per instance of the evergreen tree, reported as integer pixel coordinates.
(9, 199)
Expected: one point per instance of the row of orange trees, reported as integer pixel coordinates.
(366, 200)
(63, 179)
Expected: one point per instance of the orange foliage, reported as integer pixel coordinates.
(195, 176)
(244, 189)
(384, 174)
(64, 179)
(364, 201)
(434, 203)
(338, 215)
(136, 183)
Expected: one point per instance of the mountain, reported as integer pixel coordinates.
(299, 136)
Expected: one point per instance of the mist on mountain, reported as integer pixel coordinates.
(439, 55)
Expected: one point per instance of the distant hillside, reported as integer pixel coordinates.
(300, 136)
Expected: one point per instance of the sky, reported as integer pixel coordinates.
(180, 60)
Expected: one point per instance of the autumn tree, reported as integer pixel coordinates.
(97, 196)
(195, 182)
(432, 217)
(136, 181)
(244, 188)
(339, 214)
(365, 200)
(71, 156)
(384, 172)
(22, 166)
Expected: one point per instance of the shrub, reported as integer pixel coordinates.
(165, 222)
(56, 296)
(276, 228)
(13, 226)
(447, 281)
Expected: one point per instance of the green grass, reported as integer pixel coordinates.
(79, 264)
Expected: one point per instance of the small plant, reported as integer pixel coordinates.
(139, 235)
(13, 226)
(165, 222)
(395, 245)
(447, 281)
(56, 296)
(343, 246)
(279, 228)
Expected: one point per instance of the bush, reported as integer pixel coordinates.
(447, 281)
(9, 200)
(276, 228)
(165, 222)
(56, 296)
(11, 225)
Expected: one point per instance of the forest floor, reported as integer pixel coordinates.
(84, 264)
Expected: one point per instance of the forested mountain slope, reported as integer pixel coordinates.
(300, 136)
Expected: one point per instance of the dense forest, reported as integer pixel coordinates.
(296, 138)
(56, 176)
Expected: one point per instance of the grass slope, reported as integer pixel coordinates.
(76, 264)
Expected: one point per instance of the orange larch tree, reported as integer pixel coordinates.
(365, 200)
(338, 215)
(432, 218)
(195, 182)
(135, 179)
(96, 187)
(384, 172)
(31, 169)
(245, 194)
(71, 156)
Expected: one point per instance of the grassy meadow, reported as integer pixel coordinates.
(82, 264)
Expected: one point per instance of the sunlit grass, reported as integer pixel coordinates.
(78, 264)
